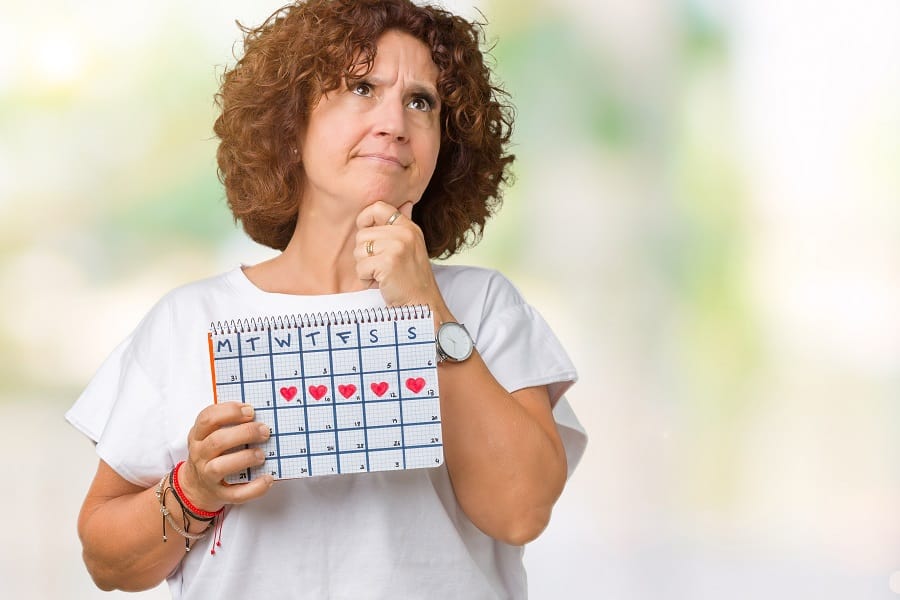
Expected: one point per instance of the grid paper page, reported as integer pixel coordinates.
(349, 392)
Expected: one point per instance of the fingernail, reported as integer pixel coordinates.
(247, 410)
(260, 455)
(264, 429)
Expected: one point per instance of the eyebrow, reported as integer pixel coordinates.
(416, 87)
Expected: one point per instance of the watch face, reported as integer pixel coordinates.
(454, 341)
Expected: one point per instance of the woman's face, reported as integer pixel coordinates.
(378, 137)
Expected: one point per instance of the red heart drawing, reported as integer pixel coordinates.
(379, 387)
(288, 393)
(416, 384)
(317, 391)
(347, 390)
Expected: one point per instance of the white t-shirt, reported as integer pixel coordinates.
(368, 535)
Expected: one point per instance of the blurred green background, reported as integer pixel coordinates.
(707, 210)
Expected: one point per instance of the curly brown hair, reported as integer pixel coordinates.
(308, 48)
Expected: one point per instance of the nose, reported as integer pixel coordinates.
(390, 121)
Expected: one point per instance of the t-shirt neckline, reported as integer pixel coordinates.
(242, 284)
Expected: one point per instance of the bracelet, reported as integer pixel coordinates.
(198, 513)
(162, 491)
(169, 483)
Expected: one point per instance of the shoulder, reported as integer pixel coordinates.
(201, 291)
(183, 309)
(488, 287)
(196, 299)
(476, 295)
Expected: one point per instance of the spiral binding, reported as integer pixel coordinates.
(320, 319)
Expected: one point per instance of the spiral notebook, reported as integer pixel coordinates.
(342, 392)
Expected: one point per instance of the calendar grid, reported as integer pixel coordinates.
(399, 387)
(241, 379)
(274, 412)
(340, 394)
(337, 445)
(305, 409)
(362, 395)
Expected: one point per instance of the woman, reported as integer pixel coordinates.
(360, 139)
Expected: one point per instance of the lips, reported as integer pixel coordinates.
(385, 158)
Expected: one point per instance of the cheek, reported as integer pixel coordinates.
(430, 155)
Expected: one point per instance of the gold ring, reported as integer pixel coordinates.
(370, 247)
(393, 218)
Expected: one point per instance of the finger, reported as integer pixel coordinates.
(379, 213)
(234, 462)
(364, 237)
(222, 440)
(240, 493)
(374, 215)
(365, 269)
(217, 416)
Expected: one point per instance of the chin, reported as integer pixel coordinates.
(391, 196)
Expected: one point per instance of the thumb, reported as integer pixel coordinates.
(406, 210)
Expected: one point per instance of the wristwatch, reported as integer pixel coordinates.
(454, 344)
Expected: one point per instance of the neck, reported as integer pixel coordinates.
(318, 259)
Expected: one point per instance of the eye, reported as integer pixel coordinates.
(361, 88)
(421, 103)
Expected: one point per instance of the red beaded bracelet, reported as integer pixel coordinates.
(194, 511)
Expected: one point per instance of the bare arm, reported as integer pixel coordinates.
(503, 451)
(120, 525)
(504, 454)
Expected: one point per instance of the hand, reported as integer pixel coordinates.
(398, 264)
(217, 429)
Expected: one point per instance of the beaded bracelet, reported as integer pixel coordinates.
(169, 483)
(162, 491)
(194, 511)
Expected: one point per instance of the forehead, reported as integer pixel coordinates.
(402, 54)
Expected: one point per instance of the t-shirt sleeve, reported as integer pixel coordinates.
(522, 351)
(121, 408)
